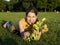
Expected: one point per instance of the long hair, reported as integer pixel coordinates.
(33, 10)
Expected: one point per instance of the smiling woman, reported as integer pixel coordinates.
(26, 25)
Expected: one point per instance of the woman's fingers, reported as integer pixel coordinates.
(38, 36)
(26, 34)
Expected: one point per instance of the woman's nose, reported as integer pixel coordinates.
(31, 19)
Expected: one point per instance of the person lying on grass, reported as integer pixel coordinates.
(27, 24)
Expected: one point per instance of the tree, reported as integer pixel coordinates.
(25, 5)
(42, 4)
(58, 2)
(2, 5)
(52, 4)
(10, 4)
(20, 5)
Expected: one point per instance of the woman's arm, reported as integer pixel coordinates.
(21, 28)
(23, 34)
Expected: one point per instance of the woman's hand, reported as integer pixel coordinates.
(26, 34)
(38, 33)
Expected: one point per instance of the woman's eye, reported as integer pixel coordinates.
(33, 16)
(28, 16)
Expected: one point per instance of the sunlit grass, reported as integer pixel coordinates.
(52, 37)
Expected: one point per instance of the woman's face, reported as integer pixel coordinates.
(31, 18)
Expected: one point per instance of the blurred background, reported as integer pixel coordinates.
(22, 5)
(14, 10)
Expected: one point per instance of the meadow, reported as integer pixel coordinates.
(52, 37)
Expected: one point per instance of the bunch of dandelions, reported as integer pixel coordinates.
(36, 27)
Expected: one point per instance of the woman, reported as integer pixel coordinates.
(26, 24)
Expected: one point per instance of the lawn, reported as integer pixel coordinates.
(52, 37)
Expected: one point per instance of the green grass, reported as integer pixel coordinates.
(52, 37)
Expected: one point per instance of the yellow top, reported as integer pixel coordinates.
(26, 26)
(24, 23)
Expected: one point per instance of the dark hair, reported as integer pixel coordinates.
(31, 9)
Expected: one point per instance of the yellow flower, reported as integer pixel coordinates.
(35, 25)
(38, 23)
(43, 19)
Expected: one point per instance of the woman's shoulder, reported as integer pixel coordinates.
(22, 20)
(24, 23)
